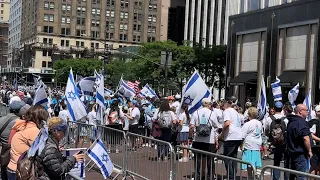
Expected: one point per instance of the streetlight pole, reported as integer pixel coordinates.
(166, 74)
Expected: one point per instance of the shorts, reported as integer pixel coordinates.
(183, 136)
(134, 129)
(253, 157)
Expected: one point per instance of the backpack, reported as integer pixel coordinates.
(26, 168)
(156, 131)
(165, 119)
(113, 117)
(5, 150)
(203, 130)
(277, 131)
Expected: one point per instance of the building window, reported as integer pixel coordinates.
(151, 39)
(109, 13)
(79, 43)
(152, 18)
(123, 27)
(137, 17)
(65, 43)
(109, 36)
(48, 29)
(137, 27)
(66, 7)
(136, 38)
(44, 53)
(1, 11)
(110, 2)
(95, 1)
(81, 21)
(109, 25)
(47, 40)
(151, 29)
(81, 32)
(48, 17)
(124, 3)
(49, 64)
(95, 23)
(124, 15)
(96, 11)
(95, 34)
(2, 5)
(48, 5)
(66, 20)
(123, 37)
(44, 64)
(66, 31)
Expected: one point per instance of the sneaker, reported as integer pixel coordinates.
(165, 159)
(117, 151)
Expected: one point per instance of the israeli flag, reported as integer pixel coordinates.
(293, 94)
(79, 168)
(98, 78)
(262, 102)
(41, 96)
(75, 106)
(126, 90)
(195, 90)
(108, 92)
(307, 102)
(100, 100)
(276, 90)
(86, 85)
(146, 91)
(99, 155)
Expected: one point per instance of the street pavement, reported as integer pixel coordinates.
(144, 161)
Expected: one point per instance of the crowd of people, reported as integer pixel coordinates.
(217, 127)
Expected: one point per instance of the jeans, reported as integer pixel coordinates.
(279, 153)
(163, 149)
(298, 163)
(4, 173)
(230, 149)
(11, 174)
(209, 167)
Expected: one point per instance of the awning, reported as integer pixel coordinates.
(243, 78)
(291, 78)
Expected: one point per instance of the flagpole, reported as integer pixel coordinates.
(117, 89)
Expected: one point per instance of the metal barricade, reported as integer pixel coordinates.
(290, 174)
(202, 165)
(149, 158)
(115, 141)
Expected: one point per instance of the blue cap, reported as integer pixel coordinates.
(278, 104)
(135, 102)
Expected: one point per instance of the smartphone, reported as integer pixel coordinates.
(80, 152)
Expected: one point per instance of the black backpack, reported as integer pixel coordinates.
(203, 130)
(277, 131)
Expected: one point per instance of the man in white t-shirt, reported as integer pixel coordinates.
(64, 114)
(232, 136)
(209, 142)
(133, 117)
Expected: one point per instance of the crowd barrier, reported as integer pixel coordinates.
(142, 157)
(206, 165)
(70, 176)
(287, 173)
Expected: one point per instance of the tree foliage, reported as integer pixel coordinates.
(83, 67)
(145, 66)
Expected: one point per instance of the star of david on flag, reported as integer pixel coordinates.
(99, 155)
(72, 95)
(195, 90)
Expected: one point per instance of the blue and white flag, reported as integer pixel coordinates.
(79, 168)
(15, 84)
(86, 85)
(78, 78)
(76, 108)
(293, 94)
(307, 102)
(100, 100)
(195, 90)
(98, 78)
(40, 96)
(146, 91)
(99, 155)
(126, 90)
(276, 90)
(108, 92)
(262, 102)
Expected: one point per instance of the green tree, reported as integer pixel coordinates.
(84, 67)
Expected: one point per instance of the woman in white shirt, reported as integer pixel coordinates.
(251, 133)
(183, 136)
